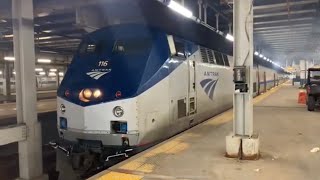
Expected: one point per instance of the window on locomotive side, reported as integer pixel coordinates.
(203, 53)
(226, 60)
(219, 58)
(180, 47)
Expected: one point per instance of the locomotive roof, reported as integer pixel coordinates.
(155, 14)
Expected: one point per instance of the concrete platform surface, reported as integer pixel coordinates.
(8, 110)
(287, 134)
(44, 94)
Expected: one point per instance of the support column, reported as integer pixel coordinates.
(58, 79)
(200, 9)
(30, 151)
(217, 21)
(205, 9)
(230, 28)
(242, 143)
(7, 76)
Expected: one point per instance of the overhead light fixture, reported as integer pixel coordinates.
(52, 74)
(0, 72)
(230, 37)
(42, 73)
(38, 69)
(44, 60)
(180, 9)
(265, 58)
(8, 36)
(14, 72)
(3, 20)
(53, 70)
(61, 74)
(261, 56)
(47, 31)
(256, 53)
(46, 37)
(9, 58)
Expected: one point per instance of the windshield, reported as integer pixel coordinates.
(314, 76)
(118, 47)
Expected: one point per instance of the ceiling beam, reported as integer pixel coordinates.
(285, 5)
(285, 31)
(287, 35)
(283, 21)
(284, 27)
(280, 38)
(299, 43)
(284, 13)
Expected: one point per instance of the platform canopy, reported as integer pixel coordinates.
(283, 29)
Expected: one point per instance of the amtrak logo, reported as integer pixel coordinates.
(97, 74)
(209, 86)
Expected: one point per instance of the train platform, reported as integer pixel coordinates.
(8, 110)
(9, 160)
(41, 95)
(288, 144)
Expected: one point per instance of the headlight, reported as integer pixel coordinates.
(62, 108)
(97, 93)
(118, 111)
(87, 93)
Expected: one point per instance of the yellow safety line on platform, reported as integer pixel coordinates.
(119, 176)
(146, 163)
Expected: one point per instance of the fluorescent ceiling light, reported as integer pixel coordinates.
(61, 73)
(42, 14)
(230, 37)
(47, 31)
(42, 73)
(43, 38)
(3, 20)
(38, 69)
(44, 60)
(180, 9)
(8, 36)
(52, 74)
(53, 70)
(9, 58)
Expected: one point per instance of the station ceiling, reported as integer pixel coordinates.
(283, 29)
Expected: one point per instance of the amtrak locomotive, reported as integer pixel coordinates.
(133, 84)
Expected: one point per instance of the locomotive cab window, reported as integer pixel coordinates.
(87, 48)
(131, 46)
(90, 47)
(180, 48)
